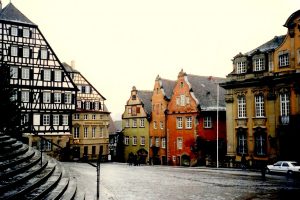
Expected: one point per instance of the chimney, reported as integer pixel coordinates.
(73, 64)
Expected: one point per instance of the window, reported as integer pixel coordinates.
(241, 107)
(163, 143)
(260, 144)
(259, 64)
(93, 150)
(182, 100)
(57, 98)
(179, 143)
(284, 60)
(82, 89)
(96, 105)
(93, 117)
(46, 119)
(25, 73)
(87, 89)
(207, 122)
(85, 132)
(85, 117)
(25, 119)
(26, 52)
(26, 33)
(179, 122)
(142, 122)
(143, 140)
(13, 72)
(177, 101)
(187, 99)
(242, 143)
(57, 75)
(14, 96)
(76, 132)
(65, 119)
(241, 67)
(76, 116)
(285, 108)
(133, 97)
(157, 141)
(93, 132)
(87, 105)
(154, 125)
(101, 132)
(44, 54)
(181, 84)
(14, 51)
(46, 145)
(133, 110)
(47, 75)
(161, 125)
(55, 119)
(134, 140)
(126, 140)
(14, 31)
(68, 98)
(259, 106)
(46, 97)
(78, 104)
(127, 123)
(134, 123)
(25, 96)
(188, 122)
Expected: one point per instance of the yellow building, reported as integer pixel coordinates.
(90, 121)
(263, 102)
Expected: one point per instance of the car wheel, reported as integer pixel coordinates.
(289, 173)
(267, 171)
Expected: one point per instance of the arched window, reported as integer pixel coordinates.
(260, 143)
(242, 146)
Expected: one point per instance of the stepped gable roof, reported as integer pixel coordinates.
(145, 96)
(289, 21)
(168, 86)
(205, 91)
(268, 46)
(12, 14)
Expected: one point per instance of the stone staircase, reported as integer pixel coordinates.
(24, 174)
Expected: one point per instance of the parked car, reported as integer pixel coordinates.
(288, 167)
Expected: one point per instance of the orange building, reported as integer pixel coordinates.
(192, 96)
(158, 135)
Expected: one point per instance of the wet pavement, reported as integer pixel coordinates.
(119, 181)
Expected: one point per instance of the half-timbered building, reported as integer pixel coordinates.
(44, 91)
(90, 121)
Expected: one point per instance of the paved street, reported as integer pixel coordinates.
(123, 182)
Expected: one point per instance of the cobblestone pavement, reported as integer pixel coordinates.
(123, 182)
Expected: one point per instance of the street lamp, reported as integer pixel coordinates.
(218, 125)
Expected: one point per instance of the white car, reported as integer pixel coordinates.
(288, 167)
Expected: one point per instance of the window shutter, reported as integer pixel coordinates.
(9, 31)
(30, 34)
(30, 96)
(19, 73)
(51, 119)
(60, 119)
(41, 97)
(20, 32)
(39, 54)
(62, 76)
(52, 98)
(48, 55)
(30, 53)
(82, 105)
(42, 74)
(31, 74)
(91, 106)
(100, 106)
(9, 51)
(73, 99)
(52, 75)
(62, 97)
(19, 96)
(41, 119)
(20, 52)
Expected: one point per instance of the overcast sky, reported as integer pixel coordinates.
(117, 44)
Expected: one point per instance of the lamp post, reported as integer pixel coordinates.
(217, 125)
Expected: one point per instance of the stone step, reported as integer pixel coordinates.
(70, 193)
(8, 142)
(15, 153)
(18, 159)
(11, 147)
(24, 187)
(4, 137)
(51, 183)
(20, 168)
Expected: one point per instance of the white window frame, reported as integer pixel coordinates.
(85, 117)
(93, 116)
(284, 104)
(47, 75)
(14, 51)
(154, 125)
(25, 96)
(101, 132)
(157, 141)
(179, 142)
(65, 119)
(143, 140)
(76, 132)
(134, 140)
(57, 75)
(207, 122)
(241, 101)
(85, 132)
(179, 122)
(241, 67)
(93, 132)
(161, 124)
(57, 97)
(25, 73)
(76, 116)
(259, 106)
(26, 32)
(126, 140)
(283, 60)
(134, 123)
(182, 100)
(188, 122)
(44, 54)
(46, 97)
(163, 143)
(14, 31)
(68, 98)
(127, 123)
(142, 123)
(46, 119)
(259, 64)
(26, 52)
(55, 119)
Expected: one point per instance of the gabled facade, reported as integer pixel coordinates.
(162, 93)
(135, 125)
(90, 121)
(262, 99)
(44, 91)
(192, 101)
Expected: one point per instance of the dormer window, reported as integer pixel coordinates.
(284, 60)
(259, 64)
(241, 67)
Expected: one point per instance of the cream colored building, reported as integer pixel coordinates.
(90, 121)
